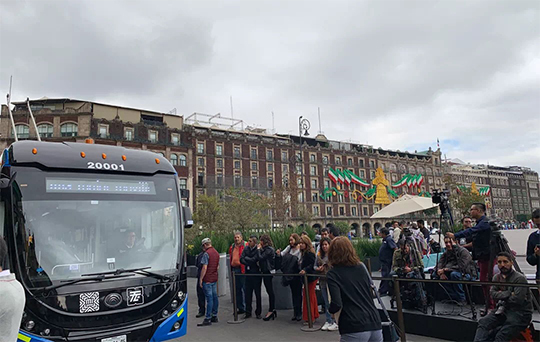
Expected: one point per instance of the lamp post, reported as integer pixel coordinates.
(303, 126)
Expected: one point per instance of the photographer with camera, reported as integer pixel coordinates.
(514, 307)
(481, 246)
(533, 244)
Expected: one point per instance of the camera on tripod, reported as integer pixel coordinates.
(440, 196)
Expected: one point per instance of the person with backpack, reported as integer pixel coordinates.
(266, 256)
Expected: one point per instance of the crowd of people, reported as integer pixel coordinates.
(343, 280)
(470, 254)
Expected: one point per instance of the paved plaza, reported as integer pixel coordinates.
(282, 329)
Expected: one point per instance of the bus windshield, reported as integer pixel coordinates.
(75, 224)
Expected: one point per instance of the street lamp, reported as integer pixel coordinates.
(303, 125)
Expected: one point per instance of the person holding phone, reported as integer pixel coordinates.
(533, 244)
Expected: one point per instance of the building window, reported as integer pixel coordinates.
(362, 174)
(69, 130)
(200, 178)
(253, 153)
(353, 211)
(312, 158)
(183, 160)
(219, 179)
(128, 134)
(237, 153)
(285, 168)
(200, 161)
(219, 163)
(314, 197)
(349, 162)
(361, 162)
(103, 131)
(152, 136)
(329, 211)
(254, 182)
(269, 155)
(174, 159)
(338, 160)
(45, 130)
(365, 210)
(270, 167)
(372, 164)
(284, 157)
(270, 182)
(341, 211)
(254, 166)
(325, 160)
(200, 148)
(314, 184)
(183, 183)
(316, 210)
(313, 170)
(237, 181)
(219, 150)
(175, 139)
(372, 174)
(327, 184)
(23, 131)
(237, 164)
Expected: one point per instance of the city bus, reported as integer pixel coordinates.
(95, 236)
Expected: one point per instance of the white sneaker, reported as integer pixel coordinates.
(325, 326)
(333, 327)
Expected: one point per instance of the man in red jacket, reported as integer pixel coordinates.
(208, 282)
(235, 251)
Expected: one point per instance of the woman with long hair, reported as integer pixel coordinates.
(322, 266)
(307, 267)
(266, 255)
(295, 283)
(350, 292)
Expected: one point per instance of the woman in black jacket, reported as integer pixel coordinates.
(306, 267)
(350, 292)
(266, 255)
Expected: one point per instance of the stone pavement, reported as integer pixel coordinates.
(282, 329)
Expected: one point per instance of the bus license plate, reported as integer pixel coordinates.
(122, 338)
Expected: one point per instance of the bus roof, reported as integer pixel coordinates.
(80, 156)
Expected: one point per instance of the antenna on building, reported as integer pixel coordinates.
(9, 109)
(173, 111)
(232, 111)
(319, 110)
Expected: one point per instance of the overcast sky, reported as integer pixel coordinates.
(394, 74)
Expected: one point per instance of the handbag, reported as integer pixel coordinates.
(390, 333)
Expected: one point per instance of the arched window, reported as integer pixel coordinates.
(23, 131)
(420, 170)
(183, 160)
(174, 159)
(45, 130)
(429, 171)
(69, 130)
(412, 170)
(393, 167)
(402, 168)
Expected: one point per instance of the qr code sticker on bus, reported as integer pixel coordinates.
(89, 302)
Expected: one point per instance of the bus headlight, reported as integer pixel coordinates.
(176, 326)
(181, 295)
(165, 313)
(46, 332)
(174, 304)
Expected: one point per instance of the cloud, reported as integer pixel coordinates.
(394, 74)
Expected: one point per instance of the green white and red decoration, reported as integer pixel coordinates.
(410, 181)
(485, 191)
(346, 177)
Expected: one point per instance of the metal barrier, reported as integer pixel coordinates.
(395, 279)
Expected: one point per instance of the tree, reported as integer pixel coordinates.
(461, 198)
(208, 212)
(244, 210)
(280, 200)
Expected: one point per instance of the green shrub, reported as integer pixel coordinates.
(366, 248)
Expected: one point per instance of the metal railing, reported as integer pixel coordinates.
(396, 282)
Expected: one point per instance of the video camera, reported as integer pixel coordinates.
(440, 196)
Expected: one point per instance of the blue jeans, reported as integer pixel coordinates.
(324, 292)
(364, 336)
(212, 302)
(240, 289)
(456, 290)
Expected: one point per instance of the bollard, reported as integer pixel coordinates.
(236, 320)
(310, 327)
(401, 322)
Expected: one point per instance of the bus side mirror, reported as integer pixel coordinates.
(188, 217)
(6, 182)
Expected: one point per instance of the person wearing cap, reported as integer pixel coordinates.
(201, 299)
(208, 282)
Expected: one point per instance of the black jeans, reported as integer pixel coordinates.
(510, 325)
(270, 290)
(384, 288)
(201, 299)
(296, 293)
(253, 284)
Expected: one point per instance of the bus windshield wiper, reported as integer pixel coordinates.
(139, 270)
(75, 281)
